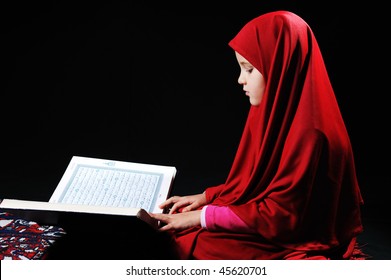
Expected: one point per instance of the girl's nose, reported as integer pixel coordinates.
(241, 80)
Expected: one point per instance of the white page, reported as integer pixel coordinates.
(48, 206)
(111, 183)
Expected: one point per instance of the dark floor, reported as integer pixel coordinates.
(375, 240)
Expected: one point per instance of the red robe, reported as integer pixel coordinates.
(293, 178)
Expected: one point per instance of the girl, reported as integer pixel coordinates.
(292, 191)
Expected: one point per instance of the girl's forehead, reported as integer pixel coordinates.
(241, 59)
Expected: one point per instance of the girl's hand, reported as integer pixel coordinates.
(184, 203)
(178, 221)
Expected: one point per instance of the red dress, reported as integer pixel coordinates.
(293, 178)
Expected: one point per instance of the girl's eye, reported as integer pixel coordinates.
(249, 70)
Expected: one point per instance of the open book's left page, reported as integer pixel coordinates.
(63, 207)
(111, 183)
(52, 213)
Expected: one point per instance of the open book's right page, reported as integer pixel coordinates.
(102, 182)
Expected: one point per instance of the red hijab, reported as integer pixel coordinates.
(293, 178)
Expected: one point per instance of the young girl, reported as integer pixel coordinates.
(292, 191)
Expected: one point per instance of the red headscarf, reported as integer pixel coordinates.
(293, 178)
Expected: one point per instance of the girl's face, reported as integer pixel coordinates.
(251, 79)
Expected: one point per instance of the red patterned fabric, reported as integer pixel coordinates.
(293, 178)
(25, 240)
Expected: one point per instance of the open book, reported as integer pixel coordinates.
(101, 186)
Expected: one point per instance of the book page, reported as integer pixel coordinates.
(48, 206)
(110, 183)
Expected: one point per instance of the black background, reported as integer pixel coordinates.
(157, 83)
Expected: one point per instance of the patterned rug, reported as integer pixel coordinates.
(25, 240)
